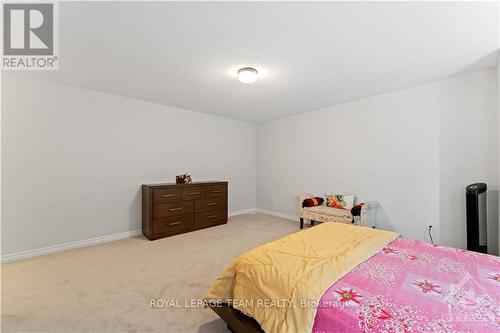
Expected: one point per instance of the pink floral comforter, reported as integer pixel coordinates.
(412, 286)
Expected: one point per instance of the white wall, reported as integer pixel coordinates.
(468, 137)
(388, 148)
(73, 160)
(383, 148)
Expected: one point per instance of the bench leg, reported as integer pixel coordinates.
(312, 222)
(301, 223)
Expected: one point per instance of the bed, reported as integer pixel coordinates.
(343, 278)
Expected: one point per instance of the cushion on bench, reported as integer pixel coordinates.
(311, 202)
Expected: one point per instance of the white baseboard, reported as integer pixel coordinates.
(109, 238)
(278, 214)
(68, 246)
(243, 211)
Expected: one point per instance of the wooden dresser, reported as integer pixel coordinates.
(171, 209)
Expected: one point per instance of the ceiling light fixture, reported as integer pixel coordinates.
(247, 75)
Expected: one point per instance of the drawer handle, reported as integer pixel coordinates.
(211, 216)
(194, 193)
(174, 209)
(168, 195)
(217, 191)
(212, 204)
(175, 223)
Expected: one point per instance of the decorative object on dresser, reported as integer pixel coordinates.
(171, 209)
(183, 179)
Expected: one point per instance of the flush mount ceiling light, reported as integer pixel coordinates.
(247, 75)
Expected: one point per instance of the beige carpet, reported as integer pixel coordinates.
(109, 287)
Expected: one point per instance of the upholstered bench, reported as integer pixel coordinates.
(323, 213)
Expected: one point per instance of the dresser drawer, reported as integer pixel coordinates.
(210, 203)
(193, 192)
(172, 223)
(216, 191)
(172, 209)
(167, 195)
(210, 216)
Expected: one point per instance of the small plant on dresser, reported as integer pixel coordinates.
(171, 209)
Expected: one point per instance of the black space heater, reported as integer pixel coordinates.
(476, 217)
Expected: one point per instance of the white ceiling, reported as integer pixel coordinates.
(309, 55)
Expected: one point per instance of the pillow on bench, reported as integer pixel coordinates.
(341, 201)
(311, 202)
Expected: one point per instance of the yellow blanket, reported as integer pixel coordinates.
(279, 283)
